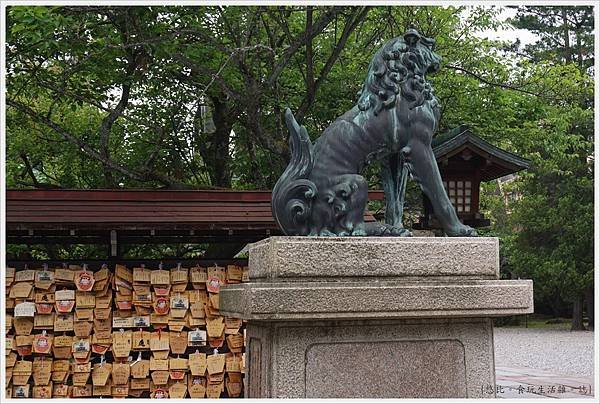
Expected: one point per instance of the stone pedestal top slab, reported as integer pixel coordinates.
(311, 258)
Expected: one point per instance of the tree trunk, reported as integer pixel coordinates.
(589, 301)
(215, 147)
(577, 320)
(566, 38)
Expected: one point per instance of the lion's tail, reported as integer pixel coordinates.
(291, 200)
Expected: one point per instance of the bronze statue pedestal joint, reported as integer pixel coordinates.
(373, 317)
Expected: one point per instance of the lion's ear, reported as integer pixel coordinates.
(412, 36)
(429, 42)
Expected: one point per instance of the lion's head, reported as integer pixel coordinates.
(399, 67)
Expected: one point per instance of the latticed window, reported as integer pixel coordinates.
(459, 193)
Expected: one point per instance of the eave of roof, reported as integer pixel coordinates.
(446, 143)
(209, 210)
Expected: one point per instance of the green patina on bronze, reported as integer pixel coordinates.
(321, 192)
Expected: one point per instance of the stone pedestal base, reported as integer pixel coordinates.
(373, 317)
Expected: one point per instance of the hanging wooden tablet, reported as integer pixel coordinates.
(42, 391)
(214, 390)
(232, 325)
(60, 390)
(23, 325)
(216, 378)
(233, 383)
(215, 326)
(61, 348)
(42, 370)
(24, 344)
(121, 343)
(215, 363)
(178, 341)
(197, 363)
(101, 373)
(63, 276)
(25, 309)
(9, 276)
(44, 321)
(81, 349)
(235, 343)
(198, 277)
(82, 391)
(213, 284)
(103, 328)
(121, 372)
(21, 391)
(42, 344)
(217, 271)
(85, 300)
(84, 314)
(64, 300)
(44, 279)
(197, 338)
(177, 324)
(197, 386)
(123, 273)
(233, 363)
(20, 290)
(101, 344)
(160, 377)
(26, 275)
(10, 360)
(120, 391)
(81, 375)
(22, 372)
(160, 277)
(159, 341)
(217, 342)
(141, 275)
(104, 390)
(141, 340)
(179, 275)
(158, 392)
(61, 366)
(82, 328)
(104, 302)
(84, 280)
(139, 384)
(234, 274)
(158, 364)
(161, 305)
(179, 304)
(178, 389)
(140, 369)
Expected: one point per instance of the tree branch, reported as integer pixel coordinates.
(490, 83)
(88, 150)
(29, 169)
(310, 74)
(317, 28)
(352, 22)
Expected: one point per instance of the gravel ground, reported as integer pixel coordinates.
(560, 351)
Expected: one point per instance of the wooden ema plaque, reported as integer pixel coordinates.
(118, 332)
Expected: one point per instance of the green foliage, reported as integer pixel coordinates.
(546, 223)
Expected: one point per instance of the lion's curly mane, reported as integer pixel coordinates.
(393, 71)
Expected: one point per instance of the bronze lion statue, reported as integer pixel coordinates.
(321, 192)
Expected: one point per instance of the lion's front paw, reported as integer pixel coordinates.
(359, 232)
(462, 231)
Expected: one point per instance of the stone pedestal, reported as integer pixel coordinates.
(373, 317)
